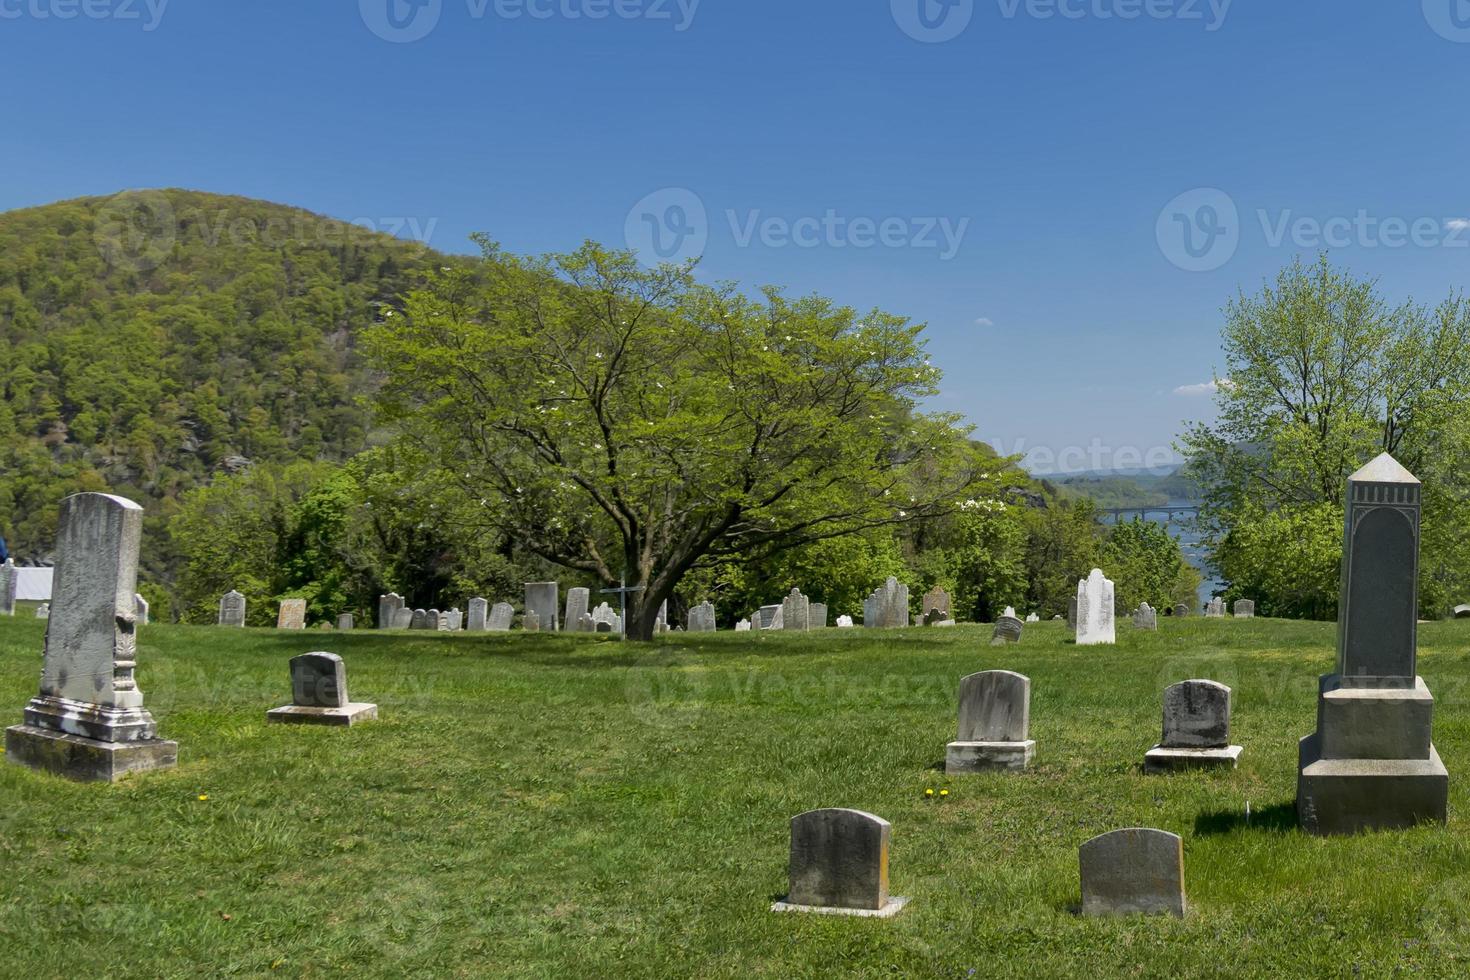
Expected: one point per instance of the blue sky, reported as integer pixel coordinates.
(1019, 174)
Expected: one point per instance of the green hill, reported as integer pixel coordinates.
(154, 339)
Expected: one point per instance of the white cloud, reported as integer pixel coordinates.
(1458, 224)
(985, 321)
(1202, 390)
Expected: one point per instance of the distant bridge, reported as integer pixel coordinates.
(1169, 513)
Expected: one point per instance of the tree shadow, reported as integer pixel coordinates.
(1280, 817)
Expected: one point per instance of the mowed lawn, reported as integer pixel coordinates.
(547, 806)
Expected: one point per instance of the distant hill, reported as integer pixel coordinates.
(1113, 490)
(153, 339)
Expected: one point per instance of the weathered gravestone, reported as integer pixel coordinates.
(995, 721)
(502, 617)
(88, 721)
(1133, 872)
(1145, 618)
(1181, 611)
(456, 620)
(887, 607)
(702, 618)
(1196, 730)
(935, 600)
(530, 622)
(586, 624)
(8, 583)
(1372, 764)
(543, 599)
(436, 621)
(839, 865)
(388, 606)
(319, 694)
(140, 609)
(743, 626)
(43, 611)
(845, 623)
(603, 615)
(1007, 630)
(765, 618)
(292, 615)
(796, 612)
(578, 602)
(1245, 609)
(403, 618)
(232, 609)
(420, 620)
(1072, 613)
(1095, 620)
(1215, 609)
(479, 617)
(817, 615)
(1033, 618)
(346, 621)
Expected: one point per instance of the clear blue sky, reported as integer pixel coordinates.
(1054, 133)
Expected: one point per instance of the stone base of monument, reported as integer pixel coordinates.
(86, 759)
(344, 717)
(1350, 796)
(1163, 760)
(894, 905)
(973, 757)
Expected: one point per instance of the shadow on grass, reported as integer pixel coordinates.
(1280, 817)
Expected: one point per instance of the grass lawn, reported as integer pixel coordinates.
(546, 806)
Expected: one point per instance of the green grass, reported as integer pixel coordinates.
(545, 806)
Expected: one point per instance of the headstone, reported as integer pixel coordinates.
(1007, 630)
(420, 620)
(292, 615)
(817, 615)
(839, 865)
(232, 609)
(936, 599)
(995, 718)
(661, 621)
(887, 607)
(437, 621)
(1145, 618)
(319, 694)
(531, 623)
(1372, 764)
(1215, 608)
(585, 624)
(1181, 611)
(345, 621)
(479, 615)
(388, 606)
(502, 615)
(403, 618)
(845, 623)
(578, 601)
(543, 599)
(140, 606)
(43, 611)
(8, 581)
(1133, 872)
(456, 620)
(604, 614)
(702, 618)
(1095, 622)
(88, 721)
(743, 626)
(796, 613)
(1461, 612)
(767, 617)
(1196, 730)
(1245, 609)
(1033, 618)
(1072, 614)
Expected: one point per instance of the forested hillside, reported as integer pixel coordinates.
(152, 340)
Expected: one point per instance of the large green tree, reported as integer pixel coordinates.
(617, 420)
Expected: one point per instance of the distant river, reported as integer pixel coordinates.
(1180, 529)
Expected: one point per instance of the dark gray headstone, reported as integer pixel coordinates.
(839, 859)
(995, 706)
(318, 680)
(232, 609)
(1196, 715)
(1380, 576)
(1133, 872)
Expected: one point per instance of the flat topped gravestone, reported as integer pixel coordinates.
(479, 615)
(839, 865)
(388, 606)
(232, 609)
(1196, 730)
(995, 721)
(346, 621)
(292, 615)
(1245, 609)
(319, 694)
(1371, 764)
(1096, 621)
(88, 721)
(1133, 872)
(817, 616)
(542, 600)
(578, 604)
